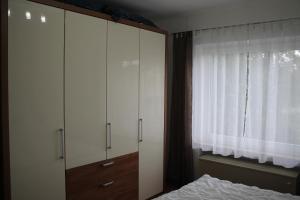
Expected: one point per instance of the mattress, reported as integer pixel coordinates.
(209, 188)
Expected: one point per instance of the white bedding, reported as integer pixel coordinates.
(209, 188)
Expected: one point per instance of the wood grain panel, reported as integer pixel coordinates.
(87, 182)
(123, 188)
(121, 166)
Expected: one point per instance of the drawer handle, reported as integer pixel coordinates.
(107, 184)
(108, 164)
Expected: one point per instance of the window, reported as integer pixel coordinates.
(246, 91)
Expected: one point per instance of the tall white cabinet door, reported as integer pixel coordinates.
(151, 115)
(35, 65)
(122, 89)
(85, 83)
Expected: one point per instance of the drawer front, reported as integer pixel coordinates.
(118, 167)
(121, 188)
(107, 180)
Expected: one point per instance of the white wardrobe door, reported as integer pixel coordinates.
(85, 91)
(35, 64)
(151, 146)
(122, 89)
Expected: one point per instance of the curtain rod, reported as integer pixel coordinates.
(228, 26)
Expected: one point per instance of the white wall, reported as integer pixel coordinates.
(240, 13)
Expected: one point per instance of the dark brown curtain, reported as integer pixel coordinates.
(4, 138)
(180, 153)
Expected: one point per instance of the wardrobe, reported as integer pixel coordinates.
(86, 104)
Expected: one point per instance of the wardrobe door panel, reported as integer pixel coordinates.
(85, 89)
(151, 115)
(122, 89)
(35, 68)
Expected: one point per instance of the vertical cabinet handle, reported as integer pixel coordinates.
(140, 130)
(62, 143)
(108, 136)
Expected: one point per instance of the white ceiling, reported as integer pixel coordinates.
(165, 8)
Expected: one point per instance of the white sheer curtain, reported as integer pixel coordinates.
(246, 91)
(219, 86)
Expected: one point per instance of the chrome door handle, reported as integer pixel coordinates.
(108, 164)
(62, 143)
(107, 184)
(140, 130)
(108, 136)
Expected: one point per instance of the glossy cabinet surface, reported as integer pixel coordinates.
(35, 65)
(85, 89)
(122, 89)
(151, 113)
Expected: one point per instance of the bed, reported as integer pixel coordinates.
(209, 188)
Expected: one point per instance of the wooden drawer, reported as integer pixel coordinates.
(124, 188)
(120, 166)
(107, 180)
